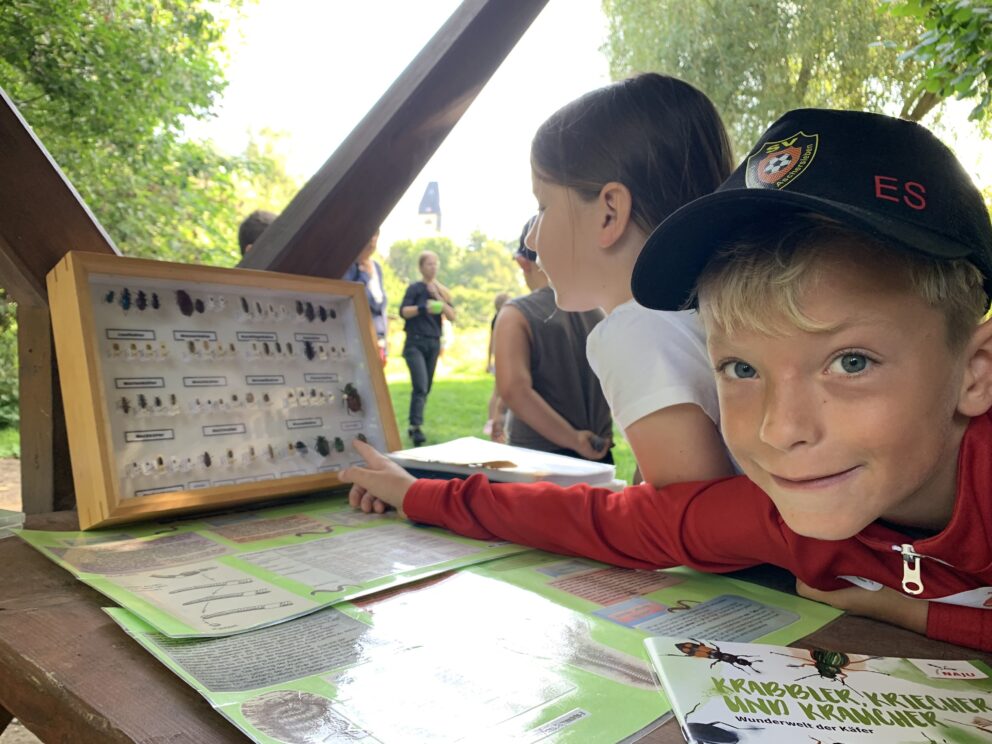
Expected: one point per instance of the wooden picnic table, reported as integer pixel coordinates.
(70, 674)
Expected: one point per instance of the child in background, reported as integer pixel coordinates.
(607, 169)
(842, 273)
(366, 270)
(494, 411)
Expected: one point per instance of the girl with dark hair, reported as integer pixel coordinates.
(607, 169)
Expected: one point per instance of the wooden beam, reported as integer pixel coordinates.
(41, 215)
(322, 230)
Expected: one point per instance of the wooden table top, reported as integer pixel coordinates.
(69, 673)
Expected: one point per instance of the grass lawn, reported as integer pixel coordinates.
(10, 443)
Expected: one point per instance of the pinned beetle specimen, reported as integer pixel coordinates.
(352, 399)
(310, 313)
(301, 448)
(289, 348)
(266, 349)
(155, 303)
(323, 446)
(299, 307)
(185, 302)
(125, 299)
(199, 306)
(361, 437)
(109, 297)
(207, 461)
(333, 313)
(142, 401)
(309, 350)
(322, 312)
(158, 402)
(338, 444)
(244, 306)
(125, 405)
(141, 300)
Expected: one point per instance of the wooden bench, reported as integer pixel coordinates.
(70, 674)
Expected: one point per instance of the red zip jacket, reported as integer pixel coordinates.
(729, 524)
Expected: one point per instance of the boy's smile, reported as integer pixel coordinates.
(852, 423)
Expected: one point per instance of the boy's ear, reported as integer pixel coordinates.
(976, 388)
(615, 204)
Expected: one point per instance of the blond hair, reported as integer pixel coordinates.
(758, 281)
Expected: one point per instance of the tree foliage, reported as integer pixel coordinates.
(474, 273)
(760, 58)
(108, 86)
(955, 48)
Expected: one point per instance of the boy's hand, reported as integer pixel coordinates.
(886, 604)
(380, 485)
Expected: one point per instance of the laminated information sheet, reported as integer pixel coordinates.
(529, 648)
(237, 571)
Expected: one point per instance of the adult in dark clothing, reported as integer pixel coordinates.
(555, 401)
(368, 272)
(423, 306)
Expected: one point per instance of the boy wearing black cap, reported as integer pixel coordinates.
(842, 272)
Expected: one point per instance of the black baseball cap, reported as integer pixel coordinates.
(890, 178)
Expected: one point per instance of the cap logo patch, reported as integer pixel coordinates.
(777, 164)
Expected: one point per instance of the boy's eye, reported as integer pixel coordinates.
(738, 370)
(850, 364)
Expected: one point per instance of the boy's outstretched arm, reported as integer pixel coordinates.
(638, 527)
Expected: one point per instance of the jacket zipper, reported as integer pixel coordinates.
(912, 581)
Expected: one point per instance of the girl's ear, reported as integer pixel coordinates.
(614, 206)
(976, 388)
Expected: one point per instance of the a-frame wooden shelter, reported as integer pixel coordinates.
(319, 233)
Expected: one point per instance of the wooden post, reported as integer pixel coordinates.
(321, 231)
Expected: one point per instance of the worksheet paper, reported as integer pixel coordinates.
(238, 571)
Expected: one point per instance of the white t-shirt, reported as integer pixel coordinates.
(647, 360)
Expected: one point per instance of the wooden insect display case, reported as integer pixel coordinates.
(190, 387)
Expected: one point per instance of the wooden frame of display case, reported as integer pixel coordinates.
(78, 293)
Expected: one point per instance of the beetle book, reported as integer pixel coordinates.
(749, 692)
